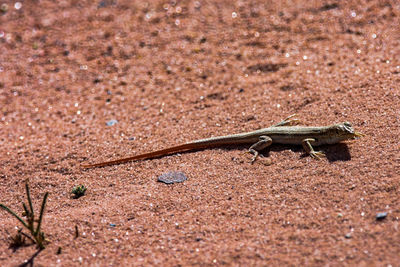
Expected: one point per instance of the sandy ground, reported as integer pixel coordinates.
(169, 72)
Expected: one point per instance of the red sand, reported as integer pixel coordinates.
(171, 72)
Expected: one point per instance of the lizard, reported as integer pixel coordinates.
(281, 133)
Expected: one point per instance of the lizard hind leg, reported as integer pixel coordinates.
(288, 121)
(264, 142)
(310, 150)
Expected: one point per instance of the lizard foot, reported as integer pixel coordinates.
(317, 154)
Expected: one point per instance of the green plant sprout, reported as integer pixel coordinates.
(37, 236)
(78, 191)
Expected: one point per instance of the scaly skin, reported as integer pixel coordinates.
(277, 134)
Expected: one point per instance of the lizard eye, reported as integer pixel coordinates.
(348, 127)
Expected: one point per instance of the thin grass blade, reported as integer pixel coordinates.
(28, 194)
(14, 214)
(41, 213)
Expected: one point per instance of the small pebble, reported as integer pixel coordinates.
(172, 177)
(111, 122)
(4, 8)
(266, 161)
(348, 235)
(381, 215)
(102, 4)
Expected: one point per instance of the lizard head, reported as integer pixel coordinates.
(343, 131)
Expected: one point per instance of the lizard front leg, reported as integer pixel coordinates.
(264, 142)
(310, 150)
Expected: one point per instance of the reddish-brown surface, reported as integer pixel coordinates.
(170, 72)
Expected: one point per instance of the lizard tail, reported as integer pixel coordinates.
(150, 155)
